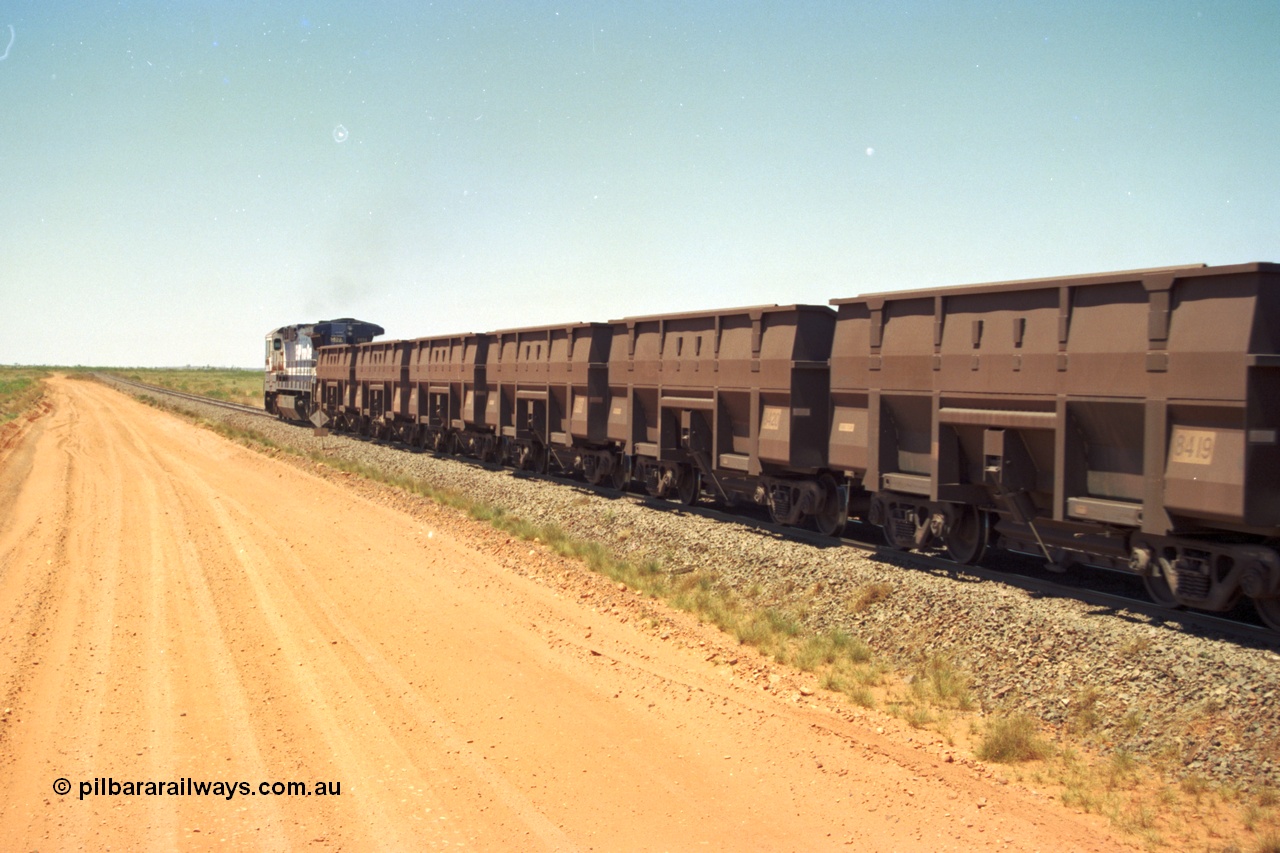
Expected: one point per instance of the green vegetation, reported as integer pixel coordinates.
(20, 388)
(941, 683)
(230, 384)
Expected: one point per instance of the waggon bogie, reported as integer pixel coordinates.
(596, 464)
(1269, 610)
(1206, 573)
(677, 481)
(818, 501)
(964, 531)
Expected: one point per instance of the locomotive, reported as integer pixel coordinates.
(1127, 420)
(289, 382)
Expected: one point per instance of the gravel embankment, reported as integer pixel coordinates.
(1154, 688)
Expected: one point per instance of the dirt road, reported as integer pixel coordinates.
(179, 611)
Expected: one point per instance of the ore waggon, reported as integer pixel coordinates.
(733, 403)
(1126, 420)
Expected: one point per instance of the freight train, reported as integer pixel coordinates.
(1128, 420)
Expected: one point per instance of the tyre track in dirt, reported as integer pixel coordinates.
(297, 633)
(61, 647)
(177, 573)
(177, 606)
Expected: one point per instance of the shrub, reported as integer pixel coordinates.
(1012, 739)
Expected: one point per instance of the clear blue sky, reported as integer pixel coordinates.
(177, 178)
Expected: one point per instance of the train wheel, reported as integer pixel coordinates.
(1269, 610)
(968, 536)
(1157, 584)
(656, 482)
(620, 477)
(594, 470)
(689, 486)
(535, 459)
(830, 519)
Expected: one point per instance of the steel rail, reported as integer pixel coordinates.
(197, 398)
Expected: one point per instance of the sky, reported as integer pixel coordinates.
(178, 178)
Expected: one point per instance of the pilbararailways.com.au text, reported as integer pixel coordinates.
(188, 787)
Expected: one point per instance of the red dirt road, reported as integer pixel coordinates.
(176, 607)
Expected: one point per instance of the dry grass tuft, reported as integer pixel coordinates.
(868, 595)
(1269, 843)
(1010, 740)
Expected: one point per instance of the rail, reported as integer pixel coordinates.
(197, 398)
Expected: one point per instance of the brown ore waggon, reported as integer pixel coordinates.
(1127, 420)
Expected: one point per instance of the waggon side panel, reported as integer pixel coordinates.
(444, 374)
(548, 383)
(1113, 382)
(724, 384)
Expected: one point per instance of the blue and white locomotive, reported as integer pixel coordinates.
(291, 361)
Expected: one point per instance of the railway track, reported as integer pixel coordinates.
(156, 389)
(1020, 571)
(1026, 573)
(1012, 569)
